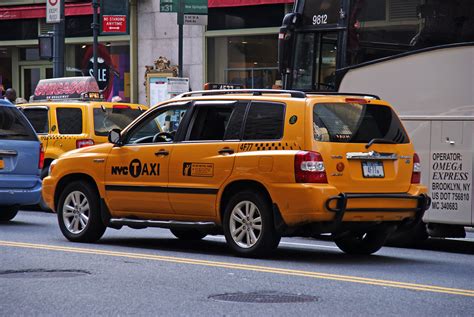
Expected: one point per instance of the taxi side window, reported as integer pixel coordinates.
(264, 121)
(161, 126)
(38, 118)
(210, 123)
(69, 120)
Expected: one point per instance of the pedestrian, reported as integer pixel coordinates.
(10, 95)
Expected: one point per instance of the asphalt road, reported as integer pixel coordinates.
(149, 272)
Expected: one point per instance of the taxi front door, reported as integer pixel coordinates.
(137, 172)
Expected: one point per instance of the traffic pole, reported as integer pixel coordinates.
(95, 34)
(58, 48)
(180, 36)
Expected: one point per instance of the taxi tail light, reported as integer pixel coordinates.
(84, 143)
(416, 174)
(309, 167)
(41, 157)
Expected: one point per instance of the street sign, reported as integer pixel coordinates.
(114, 24)
(195, 19)
(190, 6)
(53, 11)
(114, 16)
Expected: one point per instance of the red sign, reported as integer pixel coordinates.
(114, 24)
(64, 88)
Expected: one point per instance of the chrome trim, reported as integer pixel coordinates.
(98, 160)
(169, 224)
(372, 155)
(8, 152)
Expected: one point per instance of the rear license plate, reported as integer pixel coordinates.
(373, 169)
(2, 164)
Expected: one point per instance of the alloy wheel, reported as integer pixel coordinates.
(245, 224)
(76, 212)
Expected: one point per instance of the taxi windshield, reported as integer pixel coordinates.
(117, 117)
(356, 123)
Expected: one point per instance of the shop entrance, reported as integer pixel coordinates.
(31, 75)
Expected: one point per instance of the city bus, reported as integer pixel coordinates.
(416, 54)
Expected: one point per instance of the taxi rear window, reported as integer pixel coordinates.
(106, 119)
(356, 123)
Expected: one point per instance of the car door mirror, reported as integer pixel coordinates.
(115, 137)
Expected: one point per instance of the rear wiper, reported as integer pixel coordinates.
(375, 140)
(4, 135)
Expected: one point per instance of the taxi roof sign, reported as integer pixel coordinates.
(66, 88)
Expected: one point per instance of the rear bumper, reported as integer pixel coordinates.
(21, 196)
(340, 205)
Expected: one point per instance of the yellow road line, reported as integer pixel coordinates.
(246, 267)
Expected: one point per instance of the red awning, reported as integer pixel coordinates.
(239, 3)
(39, 11)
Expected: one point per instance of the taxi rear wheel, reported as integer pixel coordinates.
(248, 225)
(79, 213)
(188, 234)
(362, 243)
(8, 213)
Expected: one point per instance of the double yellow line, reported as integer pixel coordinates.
(246, 267)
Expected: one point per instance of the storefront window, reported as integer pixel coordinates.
(251, 61)
(5, 69)
(113, 67)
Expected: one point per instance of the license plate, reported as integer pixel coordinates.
(2, 164)
(373, 169)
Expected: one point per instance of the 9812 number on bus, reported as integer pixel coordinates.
(320, 19)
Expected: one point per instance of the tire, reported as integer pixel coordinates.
(248, 225)
(7, 213)
(188, 234)
(362, 243)
(79, 213)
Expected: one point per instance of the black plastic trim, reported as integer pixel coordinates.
(161, 189)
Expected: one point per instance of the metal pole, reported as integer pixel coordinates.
(58, 50)
(95, 34)
(180, 36)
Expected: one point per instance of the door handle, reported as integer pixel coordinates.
(162, 152)
(225, 151)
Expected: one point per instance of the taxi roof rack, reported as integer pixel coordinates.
(335, 93)
(259, 92)
(255, 92)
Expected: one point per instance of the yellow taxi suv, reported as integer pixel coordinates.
(254, 165)
(70, 113)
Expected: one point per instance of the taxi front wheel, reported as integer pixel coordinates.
(248, 225)
(363, 243)
(79, 213)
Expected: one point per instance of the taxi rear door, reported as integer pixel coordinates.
(203, 161)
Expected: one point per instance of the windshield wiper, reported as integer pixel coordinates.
(376, 140)
(5, 135)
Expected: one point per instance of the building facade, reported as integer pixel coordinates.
(23, 21)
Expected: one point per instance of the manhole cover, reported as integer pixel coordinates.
(39, 273)
(264, 297)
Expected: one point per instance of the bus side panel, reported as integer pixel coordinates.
(436, 82)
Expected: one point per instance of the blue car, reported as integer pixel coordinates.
(21, 161)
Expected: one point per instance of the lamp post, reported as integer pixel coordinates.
(58, 49)
(95, 34)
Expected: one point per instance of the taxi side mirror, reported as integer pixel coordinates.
(114, 137)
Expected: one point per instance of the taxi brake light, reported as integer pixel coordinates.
(309, 167)
(416, 174)
(83, 143)
(361, 101)
(121, 107)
